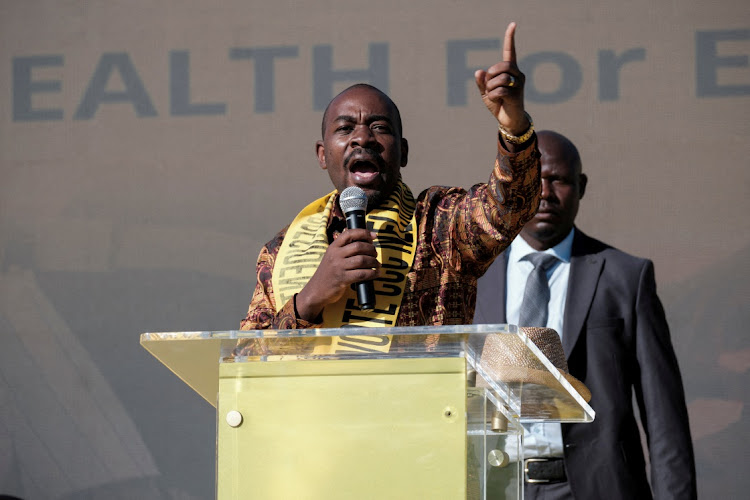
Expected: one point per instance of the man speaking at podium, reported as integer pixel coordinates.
(423, 255)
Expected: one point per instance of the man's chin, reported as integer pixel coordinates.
(377, 193)
(539, 227)
(374, 198)
(540, 232)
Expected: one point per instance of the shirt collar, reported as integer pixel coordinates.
(520, 249)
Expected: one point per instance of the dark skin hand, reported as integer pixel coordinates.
(352, 257)
(505, 101)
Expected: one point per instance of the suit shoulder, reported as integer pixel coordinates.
(594, 246)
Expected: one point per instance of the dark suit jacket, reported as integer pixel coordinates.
(617, 342)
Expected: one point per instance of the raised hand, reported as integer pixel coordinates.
(501, 87)
(351, 258)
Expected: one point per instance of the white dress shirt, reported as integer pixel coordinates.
(540, 440)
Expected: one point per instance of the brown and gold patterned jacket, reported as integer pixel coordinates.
(459, 232)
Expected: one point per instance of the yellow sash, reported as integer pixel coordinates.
(305, 243)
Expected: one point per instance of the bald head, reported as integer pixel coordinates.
(563, 186)
(551, 140)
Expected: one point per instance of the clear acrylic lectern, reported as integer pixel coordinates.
(387, 413)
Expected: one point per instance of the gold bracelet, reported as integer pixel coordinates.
(518, 139)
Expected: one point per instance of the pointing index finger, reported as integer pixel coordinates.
(509, 45)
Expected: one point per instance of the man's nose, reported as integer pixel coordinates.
(362, 136)
(546, 191)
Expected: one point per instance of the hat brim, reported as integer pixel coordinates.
(523, 375)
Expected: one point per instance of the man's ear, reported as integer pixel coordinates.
(582, 181)
(404, 152)
(320, 150)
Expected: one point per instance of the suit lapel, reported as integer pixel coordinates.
(490, 307)
(585, 269)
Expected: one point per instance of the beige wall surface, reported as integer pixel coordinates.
(149, 148)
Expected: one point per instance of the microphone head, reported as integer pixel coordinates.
(351, 199)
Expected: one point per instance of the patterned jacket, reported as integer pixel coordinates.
(459, 234)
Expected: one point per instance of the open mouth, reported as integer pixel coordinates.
(364, 169)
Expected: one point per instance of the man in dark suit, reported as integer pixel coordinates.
(617, 342)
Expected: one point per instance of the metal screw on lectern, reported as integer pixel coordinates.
(498, 458)
(499, 422)
(234, 418)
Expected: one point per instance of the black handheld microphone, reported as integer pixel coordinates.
(353, 202)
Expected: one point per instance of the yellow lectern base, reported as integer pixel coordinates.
(342, 429)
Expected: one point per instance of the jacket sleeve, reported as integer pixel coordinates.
(661, 398)
(262, 313)
(471, 228)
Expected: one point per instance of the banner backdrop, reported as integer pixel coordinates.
(149, 148)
